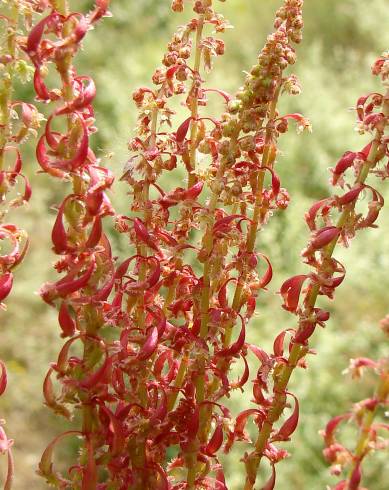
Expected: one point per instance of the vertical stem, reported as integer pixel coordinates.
(194, 104)
(206, 295)
(178, 382)
(381, 396)
(64, 67)
(298, 351)
(191, 460)
(10, 471)
(256, 220)
(146, 217)
(139, 452)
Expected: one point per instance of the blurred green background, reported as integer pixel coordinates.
(341, 40)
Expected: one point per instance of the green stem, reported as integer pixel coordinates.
(178, 382)
(298, 351)
(361, 448)
(206, 295)
(258, 212)
(139, 452)
(194, 104)
(92, 323)
(142, 249)
(205, 412)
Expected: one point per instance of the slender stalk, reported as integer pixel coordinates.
(256, 222)
(298, 351)
(89, 318)
(178, 382)
(195, 104)
(205, 304)
(145, 197)
(207, 246)
(381, 396)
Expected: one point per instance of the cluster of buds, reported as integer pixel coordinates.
(363, 415)
(18, 121)
(157, 151)
(85, 257)
(331, 220)
(176, 347)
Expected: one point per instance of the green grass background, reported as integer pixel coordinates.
(341, 40)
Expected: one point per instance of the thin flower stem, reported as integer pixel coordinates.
(62, 6)
(139, 454)
(266, 160)
(178, 382)
(205, 303)
(194, 104)
(146, 216)
(206, 412)
(256, 223)
(192, 469)
(298, 351)
(381, 396)
(208, 245)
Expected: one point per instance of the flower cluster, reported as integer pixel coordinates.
(85, 256)
(177, 344)
(363, 415)
(332, 220)
(18, 121)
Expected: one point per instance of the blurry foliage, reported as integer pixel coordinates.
(342, 38)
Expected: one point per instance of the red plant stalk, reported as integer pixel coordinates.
(161, 232)
(251, 128)
(18, 121)
(332, 220)
(85, 257)
(174, 320)
(363, 416)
